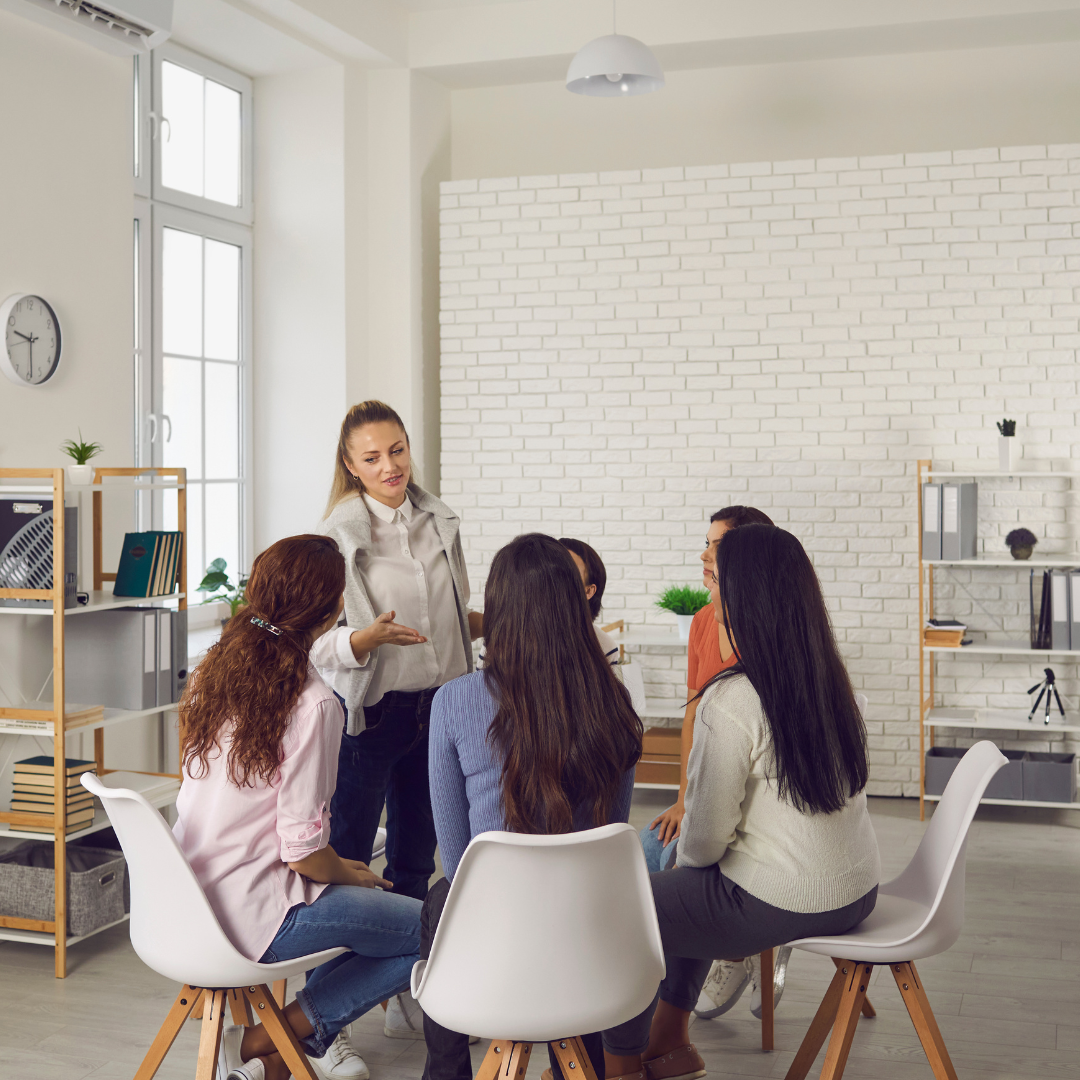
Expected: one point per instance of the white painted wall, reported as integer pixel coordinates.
(863, 105)
(299, 368)
(624, 353)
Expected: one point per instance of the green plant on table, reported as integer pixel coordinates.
(683, 599)
(81, 452)
(1007, 427)
(217, 579)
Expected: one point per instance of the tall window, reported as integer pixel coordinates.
(193, 245)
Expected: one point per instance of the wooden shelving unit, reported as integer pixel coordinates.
(933, 716)
(53, 932)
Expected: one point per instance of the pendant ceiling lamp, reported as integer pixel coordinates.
(614, 66)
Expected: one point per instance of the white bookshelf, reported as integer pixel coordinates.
(100, 600)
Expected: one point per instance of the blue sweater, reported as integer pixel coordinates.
(466, 790)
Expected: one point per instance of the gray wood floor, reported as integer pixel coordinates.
(1007, 995)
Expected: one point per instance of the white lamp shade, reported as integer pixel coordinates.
(614, 66)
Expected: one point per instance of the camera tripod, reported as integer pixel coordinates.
(1047, 688)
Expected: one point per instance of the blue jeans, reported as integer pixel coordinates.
(383, 932)
(388, 763)
(657, 855)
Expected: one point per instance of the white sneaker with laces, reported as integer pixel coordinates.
(250, 1070)
(404, 1018)
(230, 1066)
(723, 987)
(341, 1061)
(753, 969)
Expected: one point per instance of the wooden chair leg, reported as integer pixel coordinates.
(515, 1068)
(166, 1036)
(210, 1038)
(285, 1040)
(239, 1008)
(868, 1010)
(573, 1059)
(498, 1053)
(279, 992)
(819, 1029)
(922, 1016)
(197, 1010)
(767, 1003)
(853, 993)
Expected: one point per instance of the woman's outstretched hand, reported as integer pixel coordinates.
(366, 878)
(383, 631)
(328, 868)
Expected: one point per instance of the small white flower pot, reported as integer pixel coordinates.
(684, 622)
(1006, 453)
(80, 474)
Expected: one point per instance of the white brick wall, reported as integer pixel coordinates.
(624, 353)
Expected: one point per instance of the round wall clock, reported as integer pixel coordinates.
(31, 352)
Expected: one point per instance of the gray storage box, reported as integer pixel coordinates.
(1050, 777)
(940, 763)
(95, 885)
(1008, 781)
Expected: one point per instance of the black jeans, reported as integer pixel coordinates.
(448, 1055)
(388, 763)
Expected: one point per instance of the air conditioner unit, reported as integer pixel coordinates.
(118, 26)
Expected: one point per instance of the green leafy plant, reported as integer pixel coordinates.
(683, 599)
(217, 579)
(1007, 427)
(1021, 538)
(81, 452)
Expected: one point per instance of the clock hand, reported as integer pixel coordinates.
(23, 336)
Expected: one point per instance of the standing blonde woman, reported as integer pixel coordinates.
(406, 596)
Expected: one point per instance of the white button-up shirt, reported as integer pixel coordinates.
(406, 571)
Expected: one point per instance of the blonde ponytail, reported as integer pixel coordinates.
(344, 483)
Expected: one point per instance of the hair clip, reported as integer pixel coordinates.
(265, 625)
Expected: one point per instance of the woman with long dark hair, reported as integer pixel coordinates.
(777, 842)
(259, 733)
(542, 740)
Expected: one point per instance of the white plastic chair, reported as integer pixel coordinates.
(918, 914)
(175, 932)
(542, 939)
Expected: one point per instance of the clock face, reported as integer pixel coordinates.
(31, 340)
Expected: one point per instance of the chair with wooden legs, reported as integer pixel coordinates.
(175, 932)
(918, 914)
(543, 939)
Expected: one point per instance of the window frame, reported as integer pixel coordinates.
(165, 216)
(245, 212)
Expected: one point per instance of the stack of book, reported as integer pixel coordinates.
(149, 564)
(34, 792)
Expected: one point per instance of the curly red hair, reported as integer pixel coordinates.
(251, 678)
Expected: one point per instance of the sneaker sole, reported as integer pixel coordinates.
(365, 1075)
(709, 1014)
(403, 1033)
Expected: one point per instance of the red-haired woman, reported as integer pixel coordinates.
(259, 740)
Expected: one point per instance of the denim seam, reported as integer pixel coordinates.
(316, 1043)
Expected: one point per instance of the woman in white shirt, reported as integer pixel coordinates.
(406, 585)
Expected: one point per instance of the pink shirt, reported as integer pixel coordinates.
(238, 840)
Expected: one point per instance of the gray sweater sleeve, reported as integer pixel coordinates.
(716, 775)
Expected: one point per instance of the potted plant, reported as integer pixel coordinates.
(217, 579)
(1020, 542)
(1006, 459)
(684, 602)
(81, 453)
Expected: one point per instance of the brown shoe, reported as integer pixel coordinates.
(685, 1063)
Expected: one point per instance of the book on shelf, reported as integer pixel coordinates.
(42, 765)
(41, 801)
(944, 633)
(75, 716)
(149, 564)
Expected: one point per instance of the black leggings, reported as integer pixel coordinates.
(448, 1056)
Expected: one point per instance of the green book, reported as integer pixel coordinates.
(144, 564)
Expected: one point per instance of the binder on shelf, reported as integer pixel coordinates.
(1040, 625)
(163, 679)
(959, 521)
(1059, 610)
(931, 521)
(148, 564)
(1074, 609)
(179, 667)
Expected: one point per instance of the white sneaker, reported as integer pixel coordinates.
(723, 987)
(404, 1018)
(341, 1061)
(753, 969)
(230, 1066)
